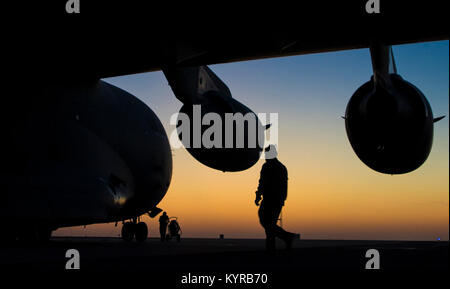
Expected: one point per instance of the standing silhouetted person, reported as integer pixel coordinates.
(273, 190)
(163, 221)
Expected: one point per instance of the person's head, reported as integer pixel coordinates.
(165, 214)
(270, 152)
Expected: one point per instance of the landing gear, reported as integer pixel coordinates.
(130, 230)
(141, 232)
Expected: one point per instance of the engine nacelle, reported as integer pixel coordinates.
(390, 129)
(217, 130)
(230, 137)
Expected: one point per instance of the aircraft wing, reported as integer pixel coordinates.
(107, 39)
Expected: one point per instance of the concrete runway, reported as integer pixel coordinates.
(173, 261)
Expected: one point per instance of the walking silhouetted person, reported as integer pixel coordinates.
(163, 221)
(272, 189)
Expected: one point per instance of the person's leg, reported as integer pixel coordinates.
(286, 236)
(268, 227)
(162, 232)
(279, 232)
(270, 240)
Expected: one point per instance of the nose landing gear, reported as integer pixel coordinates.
(134, 229)
(128, 229)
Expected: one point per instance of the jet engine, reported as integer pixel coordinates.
(389, 121)
(217, 130)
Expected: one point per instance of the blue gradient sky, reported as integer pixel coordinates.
(331, 191)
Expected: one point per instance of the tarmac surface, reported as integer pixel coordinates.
(214, 257)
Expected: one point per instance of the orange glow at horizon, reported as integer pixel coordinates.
(333, 197)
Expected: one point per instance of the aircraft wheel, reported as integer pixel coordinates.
(128, 231)
(141, 232)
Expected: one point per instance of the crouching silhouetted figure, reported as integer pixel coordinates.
(163, 221)
(272, 189)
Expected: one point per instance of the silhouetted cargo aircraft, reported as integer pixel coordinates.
(76, 150)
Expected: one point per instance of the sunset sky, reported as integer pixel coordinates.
(332, 194)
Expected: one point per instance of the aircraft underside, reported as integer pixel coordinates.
(79, 151)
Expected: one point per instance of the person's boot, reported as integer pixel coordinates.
(270, 246)
(289, 240)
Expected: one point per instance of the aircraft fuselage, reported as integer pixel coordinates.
(77, 154)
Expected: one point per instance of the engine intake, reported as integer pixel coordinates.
(390, 128)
